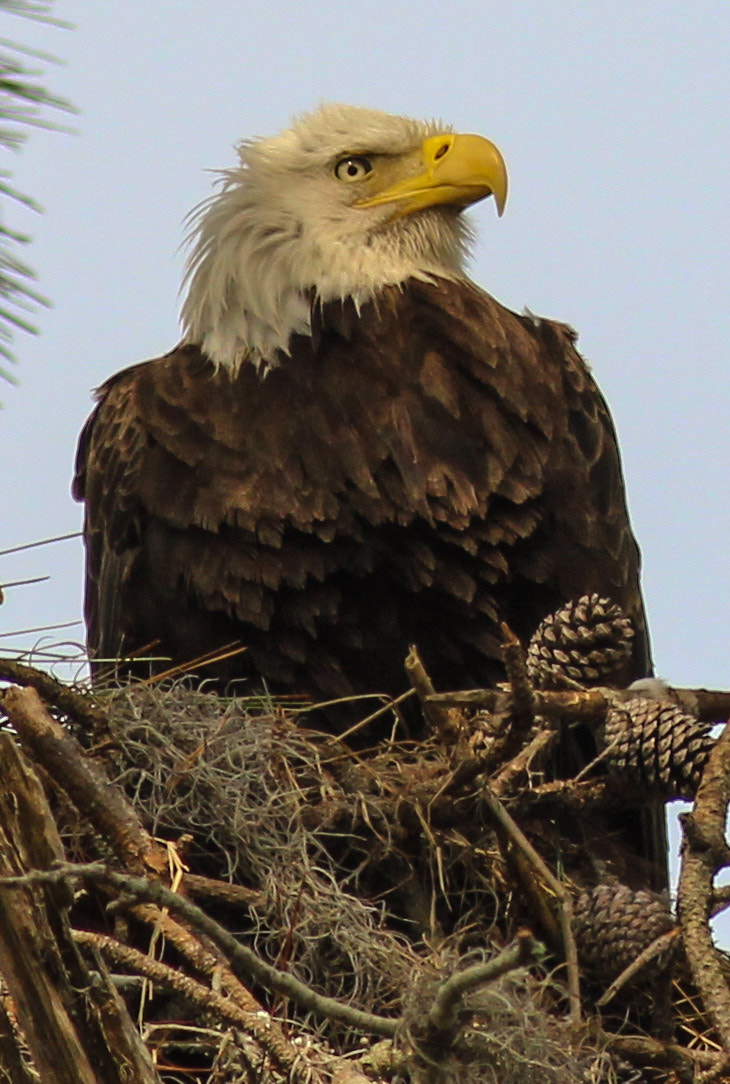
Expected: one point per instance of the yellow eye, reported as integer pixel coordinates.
(353, 168)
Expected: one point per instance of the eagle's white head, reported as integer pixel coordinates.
(345, 202)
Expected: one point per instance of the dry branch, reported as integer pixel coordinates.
(240, 956)
(226, 1010)
(15, 1068)
(656, 948)
(115, 819)
(75, 704)
(521, 692)
(667, 1057)
(590, 705)
(339, 853)
(704, 852)
(85, 784)
(564, 901)
(443, 1016)
(513, 776)
(73, 1029)
(436, 716)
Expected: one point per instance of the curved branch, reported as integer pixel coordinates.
(239, 956)
(444, 1012)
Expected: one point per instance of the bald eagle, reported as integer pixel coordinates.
(354, 447)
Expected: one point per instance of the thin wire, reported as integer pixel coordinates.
(43, 542)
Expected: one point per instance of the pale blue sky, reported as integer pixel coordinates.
(614, 120)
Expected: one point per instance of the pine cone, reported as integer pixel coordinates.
(654, 743)
(613, 924)
(585, 643)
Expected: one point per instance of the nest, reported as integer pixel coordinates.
(258, 900)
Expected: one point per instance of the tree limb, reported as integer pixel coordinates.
(590, 705)
(704, 852)
(565, 903)
(443, 1016)
(75, 704)
(240, 956)
(262, 1028)
(77, 1032)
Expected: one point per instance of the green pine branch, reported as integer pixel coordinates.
(25, 103)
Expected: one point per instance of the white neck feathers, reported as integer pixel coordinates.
(272, 238)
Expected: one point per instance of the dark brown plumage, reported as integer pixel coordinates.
(411, 474)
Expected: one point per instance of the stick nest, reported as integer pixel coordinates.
(275, 904)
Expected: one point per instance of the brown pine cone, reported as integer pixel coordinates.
(613, 924)
(585, 643)
(658, 745)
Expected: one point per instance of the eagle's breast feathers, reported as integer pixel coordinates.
(428, 467)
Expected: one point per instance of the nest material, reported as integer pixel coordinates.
(509, 1035)
(583, 644)
(375, 875)
(241, 783)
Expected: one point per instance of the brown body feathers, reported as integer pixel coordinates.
(414, 473)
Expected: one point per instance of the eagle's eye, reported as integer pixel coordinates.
(353, 168)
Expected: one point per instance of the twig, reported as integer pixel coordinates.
(521, 692)
(208, 888)
(589, 704)
(704, 852)
(436, 716)
(23, 583)
(362, 723)
(512, 774)
(75, 1029)
(565, 904)
(16, 1070)
(669, 1057)
(264, 1029)
(76, 705)
(606, 792)
(659, 945)
(443, 1016)
(41, 542)
(240, 956)
(210, 658)
(709, 705)
(720, 900)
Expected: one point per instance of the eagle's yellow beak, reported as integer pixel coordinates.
(459, 169)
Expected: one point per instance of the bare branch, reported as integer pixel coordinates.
(704, 852)
(659, 945)
(83, 781)
(240, 956)
(75, 1029)
(590, 705)
(521, 691)
(436, 716)
(76, 705)
(443, 1015)
(261, 1026)
(565, 903)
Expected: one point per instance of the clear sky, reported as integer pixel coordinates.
(615, 124)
